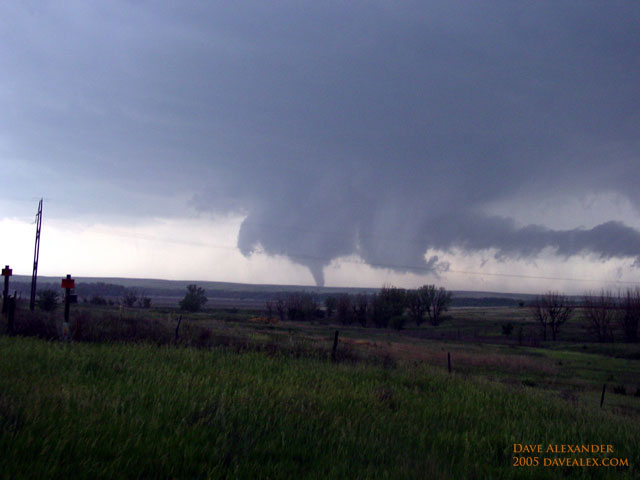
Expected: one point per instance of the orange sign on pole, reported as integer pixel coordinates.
(68, 283)
(7, 272)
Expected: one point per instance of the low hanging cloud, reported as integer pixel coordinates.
(314, 243)
(338, 129)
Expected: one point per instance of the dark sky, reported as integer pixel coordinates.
(391, 132)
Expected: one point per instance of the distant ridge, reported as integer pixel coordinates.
(154, 283)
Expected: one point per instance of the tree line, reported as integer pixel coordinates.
(394, 307)
(390, 307)
(49, 298)
(601, 312)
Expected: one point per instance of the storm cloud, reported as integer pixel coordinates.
(369, 129)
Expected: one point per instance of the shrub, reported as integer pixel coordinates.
(397, 322)
(300, 306)
(36, 324)
(144, 301)
(269, 308)
(130, 298)
(361, 308)
(48, 300)
(620, 390)
(330, 303)
(343, 309)
(194, 299)
(388, 303)
(507, 329)
(630, 318)
(281, 311)
(97, 300)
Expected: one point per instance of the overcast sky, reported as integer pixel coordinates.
(476, 145)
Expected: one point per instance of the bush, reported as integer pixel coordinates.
(397, 322)
(507, 328)
(280, 308)
(194, 299)
(269, 309)
(620, 390)
(361, 308)
(343, 309)
(630, 318)
(301, 306)
(330, 303)
(130, 298)
(97, 300)
(387, 304)
(37, 325)
(48, 300)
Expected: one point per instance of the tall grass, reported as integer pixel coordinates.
(147, 411)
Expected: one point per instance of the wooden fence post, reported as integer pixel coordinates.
(6, 273)
(178, 328)
(67, 283)
(604, 386)
(449, 361)
(335, 346)
(11, 310)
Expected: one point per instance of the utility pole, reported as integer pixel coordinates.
(36, 254)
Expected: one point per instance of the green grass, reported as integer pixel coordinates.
(570, 369)
(142, 411)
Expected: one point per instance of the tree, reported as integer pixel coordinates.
(417, 307)
(539, 313)
(343, 309)
(507, 328)
(360, 308)
(130, 297)
(560, 311)
(398, 321)
(389, 304)
(269, 308)
(330, 303)
(600, 311)
(280, 308)
(144, 301)
(380, 317)
(551, 310)
(301, 306)
(630, 317)
(194, 299)
(48, 300)
(436, 300)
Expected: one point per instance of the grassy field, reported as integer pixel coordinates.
(237, 397)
